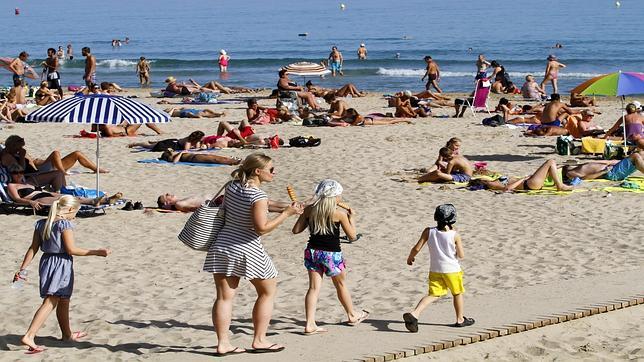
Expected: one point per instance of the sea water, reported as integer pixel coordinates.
(183, 38)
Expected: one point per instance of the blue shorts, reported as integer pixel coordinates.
(186, 113)
(460, 177)
(19, 78)
(621, 170)
(555, 123)
(330, 263)
(336, 66)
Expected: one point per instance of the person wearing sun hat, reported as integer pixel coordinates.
(445, 272)
(223, 61)
(552, 73)
(362, 52)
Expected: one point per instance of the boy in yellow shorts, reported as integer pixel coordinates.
(445, 273)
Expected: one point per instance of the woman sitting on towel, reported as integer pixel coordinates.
(528, 183)
(21, 192)
(191, 142)
(173, 156)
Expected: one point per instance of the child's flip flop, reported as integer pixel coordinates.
(36, 350)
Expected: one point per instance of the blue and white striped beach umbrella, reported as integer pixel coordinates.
(98, 109)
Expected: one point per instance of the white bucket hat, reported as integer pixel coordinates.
(328, 188)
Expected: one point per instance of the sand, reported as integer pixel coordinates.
(149, 300)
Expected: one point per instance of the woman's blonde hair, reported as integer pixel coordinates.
(321, 215)
(251, 163)
(65, 204)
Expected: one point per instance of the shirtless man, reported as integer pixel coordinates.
(335, 61)
(90, 67)
(18, 67)
(70, 52)
(577, 100)
(432, 73)
(44, 95)
(362, 52)
(458, 169)
(552, 110)
(143, 71)
(614, 170)
(285, 84)
(169, 201)
(51, 70)
(17, 93)
(552, 73)
(404, 109)
(481, 67)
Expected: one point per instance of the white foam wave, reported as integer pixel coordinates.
(403, 72)
(116, 63)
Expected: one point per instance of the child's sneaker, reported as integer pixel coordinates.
(466, 322)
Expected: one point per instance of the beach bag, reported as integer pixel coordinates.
(204, 97)
(565, 145)
(203, 226)
(493, 121)
(613, 151)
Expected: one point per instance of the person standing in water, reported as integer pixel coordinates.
(433, 74)
(335, 61)
(362, 52)
(223, 61)
(143, 71)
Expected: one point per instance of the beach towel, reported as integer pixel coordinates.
(631, 184)
(217, 101)
(591, 145)
(154, 160)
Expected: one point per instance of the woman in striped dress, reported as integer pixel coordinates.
(238, 252)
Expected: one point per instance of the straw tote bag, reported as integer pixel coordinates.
(201, 229)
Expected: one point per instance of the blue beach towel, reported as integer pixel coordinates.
(154, 160)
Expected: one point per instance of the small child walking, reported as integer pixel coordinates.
(445, 249)
(323, 254)
(55, 237)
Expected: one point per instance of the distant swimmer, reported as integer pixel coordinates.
(362, 52)
(469, 50)
(70, 52)
(60, 53)
(397, 56)
(558, 46)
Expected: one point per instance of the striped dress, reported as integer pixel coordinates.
(238, 249)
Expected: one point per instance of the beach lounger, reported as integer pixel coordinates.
(288, 99)
(481, 93)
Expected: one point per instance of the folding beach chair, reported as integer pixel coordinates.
(481, 93)
(288, 99)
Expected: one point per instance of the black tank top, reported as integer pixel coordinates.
(326, 242)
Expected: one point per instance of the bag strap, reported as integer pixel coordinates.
(212, 201)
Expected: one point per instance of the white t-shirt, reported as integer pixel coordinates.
(442, 251)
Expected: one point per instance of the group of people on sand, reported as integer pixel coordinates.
(452, 166)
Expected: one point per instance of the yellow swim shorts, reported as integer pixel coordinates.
(439, 283)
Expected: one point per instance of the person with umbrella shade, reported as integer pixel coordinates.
(284, 84)
(633, 125)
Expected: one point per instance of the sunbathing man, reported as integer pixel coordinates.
(346, 90)
(614, 170)
(110, 88)
(436, 100)
(532, 90)
(532, 182)
(458, 169)
(193, 140)
(23, 193)
(173, 156)
(185, 112)
(216, 86)
(169, 201)
(183, 89)
(581, 125)
(284, 84)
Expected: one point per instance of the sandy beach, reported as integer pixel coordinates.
(150, 300)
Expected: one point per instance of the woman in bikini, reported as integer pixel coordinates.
(192, 141)
(528, 183)
(634, 127)
(173, 156)
(552, 73)
(352, 118)
(21, 192)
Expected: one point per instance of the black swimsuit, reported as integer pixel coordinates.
(24, 192)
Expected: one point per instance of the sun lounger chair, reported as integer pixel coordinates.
(481, 93)
(288, 99)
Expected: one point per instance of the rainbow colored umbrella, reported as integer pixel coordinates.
(613, 84)
(618, 84)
